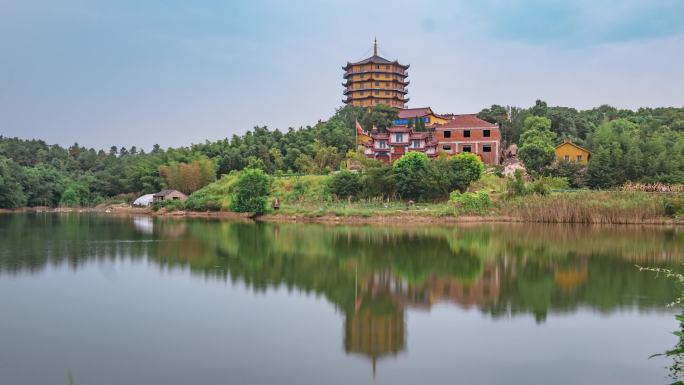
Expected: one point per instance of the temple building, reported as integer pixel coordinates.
(398, 140)
(425, 114)
(375, 80)
(449, 134)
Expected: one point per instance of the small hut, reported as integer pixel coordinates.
(170, 195)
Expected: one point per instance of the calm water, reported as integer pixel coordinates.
(101, 300)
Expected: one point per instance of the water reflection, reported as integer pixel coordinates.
(372, 275)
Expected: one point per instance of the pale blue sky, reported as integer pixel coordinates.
(136, 72)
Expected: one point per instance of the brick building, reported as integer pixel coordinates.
(468, 133)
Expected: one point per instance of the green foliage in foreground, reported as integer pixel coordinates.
(345, 184)
(411, 175)
(251, 192)
(676, 354)
(471, 202)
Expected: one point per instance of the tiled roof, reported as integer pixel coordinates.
(398, 129)
(375, 59)
(408, 113)
(573, 144)
(466, 121)
(164, 193)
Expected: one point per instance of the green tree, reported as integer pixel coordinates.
(378, 182)
(189, 177)
(71, 196)
(573, 172)
(537, 150)
(411, 173)
(456, 173)
(345, 184)
(380, 116)
(251, 192)
(11, 192)
(468, 168)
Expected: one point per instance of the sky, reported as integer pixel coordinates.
(172, 72)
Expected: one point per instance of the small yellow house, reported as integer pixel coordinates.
(571, 152)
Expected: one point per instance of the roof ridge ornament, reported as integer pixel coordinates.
(375, 46)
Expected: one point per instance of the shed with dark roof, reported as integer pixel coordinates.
(170, 195)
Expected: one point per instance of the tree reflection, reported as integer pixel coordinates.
(373, 274)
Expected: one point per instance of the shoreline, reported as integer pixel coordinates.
(406, 218)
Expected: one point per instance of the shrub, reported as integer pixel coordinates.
(673, 206)
(170, 205)
(470, 202)
(573, 172)
(345, 184)
(203, 200)
(251, 191)
(467, 169)
(310, 188)
(378, 182)
(544, 184)
(540, 187)
(516, 185)
(410, 173)
(215, 196)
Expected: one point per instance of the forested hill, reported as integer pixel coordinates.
(643, 145)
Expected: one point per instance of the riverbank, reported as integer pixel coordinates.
(427, 214)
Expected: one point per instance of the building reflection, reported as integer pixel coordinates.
(376, 328)
(375, 275)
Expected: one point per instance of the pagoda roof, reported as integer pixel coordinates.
(466, 121)
(375, 59)
(398, 129)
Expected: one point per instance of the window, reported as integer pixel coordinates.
(487, 148)
(447, 134)
(387, 67)
(399, 137)
(377, 67)
(466, 133)
(567, 158)
(377, 92)
(486, 133)
(466, 148)
(382, 144)
(579, 158)
(416, 143)
(446, 147)
(387, 93)
(377, 83)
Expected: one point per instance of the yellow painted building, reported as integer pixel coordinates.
(374, 81)
(571, 152)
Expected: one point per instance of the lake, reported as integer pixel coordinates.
(93, 299)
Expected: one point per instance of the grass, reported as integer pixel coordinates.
(593, 207)
(307, 195)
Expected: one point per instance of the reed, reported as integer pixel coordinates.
(604, 207)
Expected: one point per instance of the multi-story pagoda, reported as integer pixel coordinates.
(375, 80)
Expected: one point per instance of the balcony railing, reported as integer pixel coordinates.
(399, 90)
(376, 71)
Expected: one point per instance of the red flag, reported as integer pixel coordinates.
(359, 129)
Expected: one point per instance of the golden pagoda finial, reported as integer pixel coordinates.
(375, 46)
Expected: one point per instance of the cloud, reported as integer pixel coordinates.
(580, 22)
